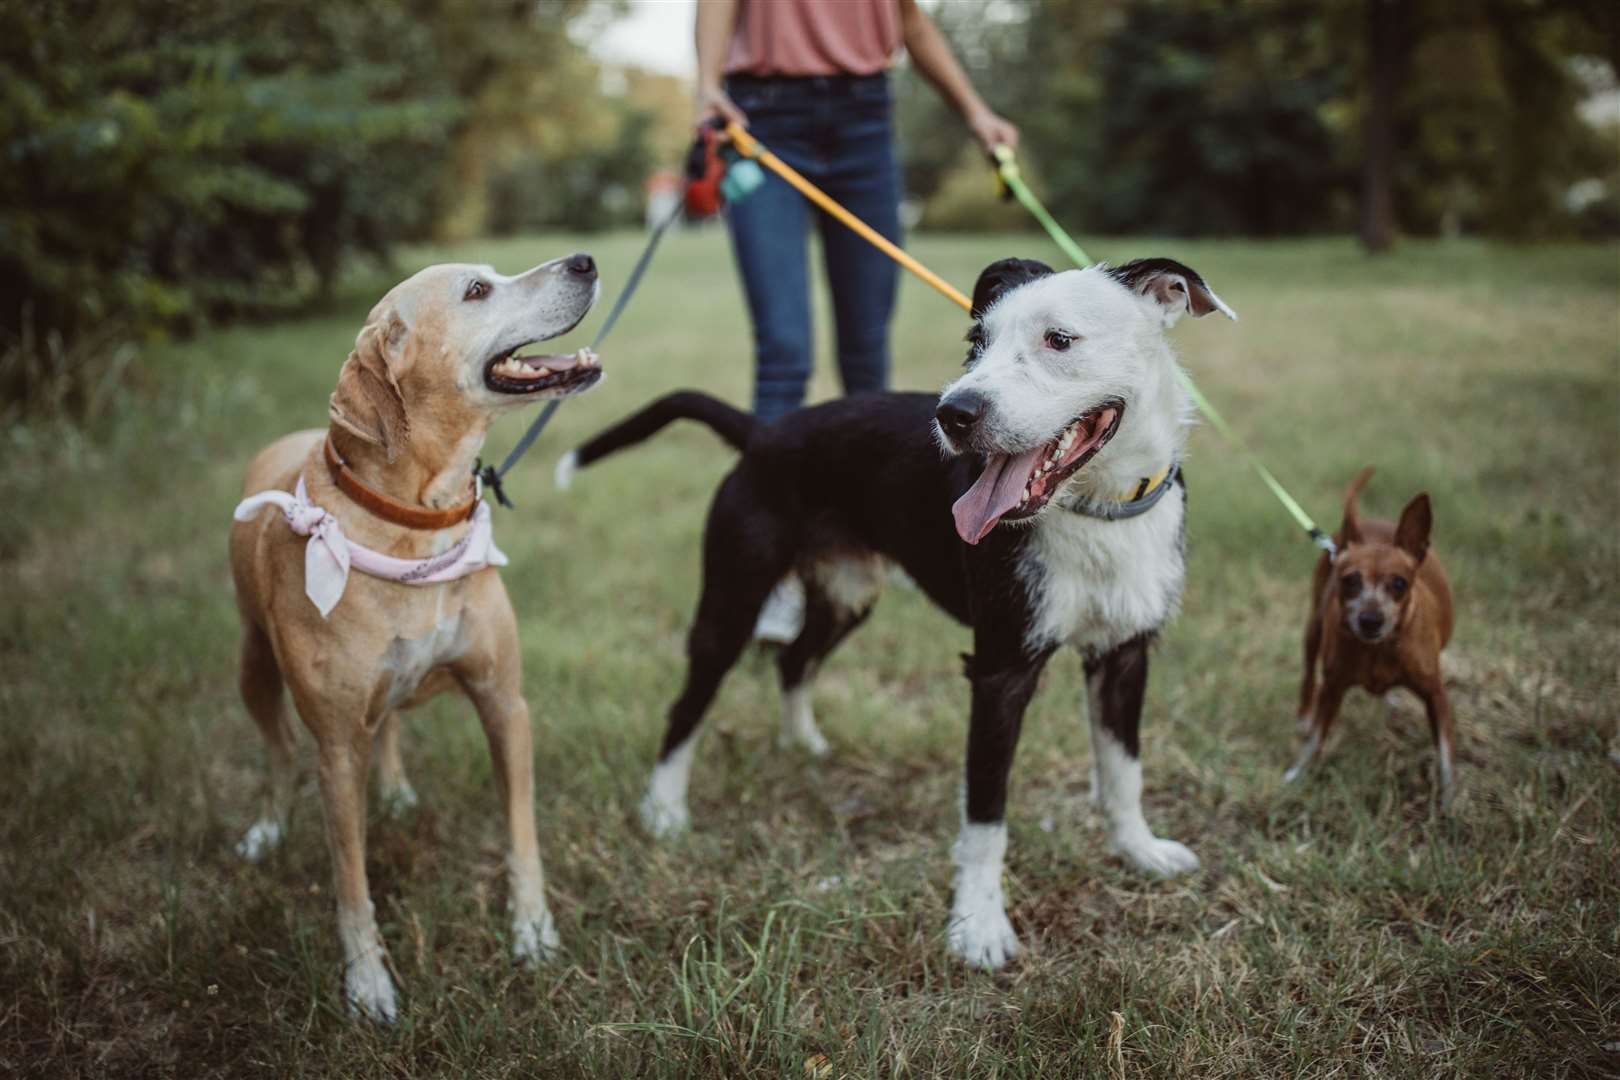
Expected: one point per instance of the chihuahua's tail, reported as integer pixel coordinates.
(730, 423)
(1351, 528)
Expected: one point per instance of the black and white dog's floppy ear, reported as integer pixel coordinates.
(1175, 287)
(998, 277)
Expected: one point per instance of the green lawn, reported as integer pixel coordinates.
(1343, 928)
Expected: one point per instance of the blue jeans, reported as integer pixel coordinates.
(836, 130)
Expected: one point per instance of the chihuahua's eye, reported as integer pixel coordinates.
(476, 291)
(1351, 584)
(1059, 340)
(1397, 585)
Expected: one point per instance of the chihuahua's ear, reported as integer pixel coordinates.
(1350, 528)
(1412, 531)
(367, 402)
(1176, 288)
(1001, 277)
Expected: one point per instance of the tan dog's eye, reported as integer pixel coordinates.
(1059, 340)
(1397, 585)
(476, 291)
(1351, 585)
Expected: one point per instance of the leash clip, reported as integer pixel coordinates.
(485, 476)
(1325, 542)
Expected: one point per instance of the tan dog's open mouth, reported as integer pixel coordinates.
(1015, 486)
(508, 373)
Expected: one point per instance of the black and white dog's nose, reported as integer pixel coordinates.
(960, 413)
(581, 264)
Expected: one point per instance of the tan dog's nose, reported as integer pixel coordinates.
(582, 264)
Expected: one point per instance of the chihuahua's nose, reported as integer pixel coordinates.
(1369, 623)
(960, 413)
(581, 264)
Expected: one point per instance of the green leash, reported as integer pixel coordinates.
(1007, 170)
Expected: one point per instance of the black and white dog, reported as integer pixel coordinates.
(1060, 472)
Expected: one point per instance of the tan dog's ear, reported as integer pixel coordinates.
(1412, 531)
(367, 402)
(1350, 529)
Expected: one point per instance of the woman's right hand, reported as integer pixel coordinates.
(712, 101)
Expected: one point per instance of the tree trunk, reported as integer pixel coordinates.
(1385, 52)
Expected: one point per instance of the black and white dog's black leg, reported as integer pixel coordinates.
(1002, 686)
(1115, 683)
(736, 579)
(826, 624)
(839, 594)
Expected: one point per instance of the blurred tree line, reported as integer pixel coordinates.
(1215, 117)
(172, 162)
(169, 162)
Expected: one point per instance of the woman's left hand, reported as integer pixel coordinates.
(992, 131)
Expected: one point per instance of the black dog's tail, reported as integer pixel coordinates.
(731, 424)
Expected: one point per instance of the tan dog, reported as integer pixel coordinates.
(433, 367)
(1380, 616)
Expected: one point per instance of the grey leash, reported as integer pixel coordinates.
(489, 475)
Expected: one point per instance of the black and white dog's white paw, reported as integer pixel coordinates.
(980, 932)
(1152, 855)
(799, 730)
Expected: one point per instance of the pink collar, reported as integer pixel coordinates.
(329, 554)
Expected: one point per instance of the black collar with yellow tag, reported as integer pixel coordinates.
(1144, 498)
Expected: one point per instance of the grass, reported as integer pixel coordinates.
(1343, 928)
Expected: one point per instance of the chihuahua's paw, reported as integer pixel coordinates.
(981, 934)
(1161, 858)
(535, 941)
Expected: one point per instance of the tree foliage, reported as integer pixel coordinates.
(170, 161)
(1200, 117)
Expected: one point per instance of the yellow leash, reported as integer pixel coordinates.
(1007, 170)
(750, 147)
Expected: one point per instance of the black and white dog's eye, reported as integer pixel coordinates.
(476, 291)
(1058, 341)
(975, 340)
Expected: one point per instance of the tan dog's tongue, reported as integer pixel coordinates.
(996, 491)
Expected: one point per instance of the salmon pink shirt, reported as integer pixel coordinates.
(814, 37)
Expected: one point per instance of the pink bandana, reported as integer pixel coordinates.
(329, 554)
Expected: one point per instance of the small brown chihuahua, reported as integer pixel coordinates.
(1380, 615)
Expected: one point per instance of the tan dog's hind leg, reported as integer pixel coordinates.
(343, 760)
(394, 787)
(505, 717)
(265, 697)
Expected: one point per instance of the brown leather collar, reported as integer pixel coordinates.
(414, 517)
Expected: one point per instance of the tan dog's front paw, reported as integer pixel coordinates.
(535, 941)
(370, 990)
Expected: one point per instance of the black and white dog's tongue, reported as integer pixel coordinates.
(998, 489)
